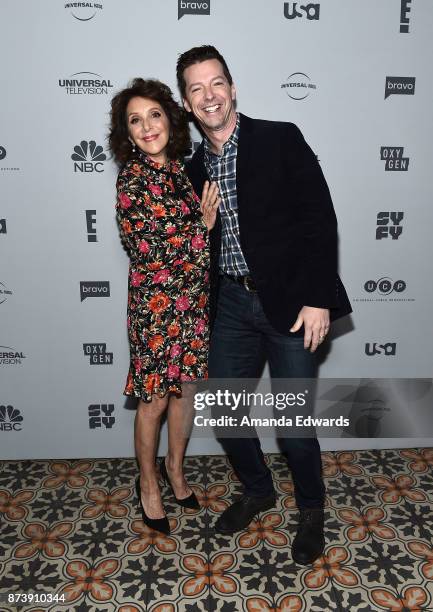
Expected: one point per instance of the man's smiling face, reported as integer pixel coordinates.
(208, 95)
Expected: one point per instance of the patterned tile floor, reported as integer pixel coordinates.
(72, 528)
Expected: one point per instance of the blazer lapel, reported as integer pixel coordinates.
(243, 157)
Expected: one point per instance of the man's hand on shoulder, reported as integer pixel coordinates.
(316, 325)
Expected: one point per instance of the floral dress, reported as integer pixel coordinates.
(162, 229)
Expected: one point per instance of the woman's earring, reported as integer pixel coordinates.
(133, 145)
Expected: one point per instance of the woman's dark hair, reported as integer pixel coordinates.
(179, 140)
(196, 55)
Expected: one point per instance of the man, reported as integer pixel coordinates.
(273, 275)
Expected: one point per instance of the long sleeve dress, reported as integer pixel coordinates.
(162, 229)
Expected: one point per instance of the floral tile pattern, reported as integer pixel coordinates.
(72, 528)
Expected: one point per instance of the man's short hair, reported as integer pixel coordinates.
(196, 55)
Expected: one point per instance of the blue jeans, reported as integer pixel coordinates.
(242, 339)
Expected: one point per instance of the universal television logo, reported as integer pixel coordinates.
(88, 157)
(10, 356)
(83, 11)
(310, 11)
(10, 419)
(85, 83)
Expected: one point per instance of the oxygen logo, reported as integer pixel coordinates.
(88, 157)
(393, 158)
(298, 86)
(97, 353)
(10, 419)
(310, 11)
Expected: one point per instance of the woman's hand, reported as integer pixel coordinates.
(210, 200)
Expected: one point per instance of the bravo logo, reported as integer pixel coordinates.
(94, 289)
(88, 157)
(10, 419)
(399, 85)
(192, 8)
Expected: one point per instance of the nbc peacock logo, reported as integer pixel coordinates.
(88, 157)
(10, 419)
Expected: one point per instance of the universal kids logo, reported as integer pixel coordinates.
(298, 86)
(88, 157)
(83, 11)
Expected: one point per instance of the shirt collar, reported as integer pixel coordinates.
(232, 141)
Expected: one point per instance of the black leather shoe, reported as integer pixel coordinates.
(240, 514)
(309, 541)
(188, 502)
(160, 524)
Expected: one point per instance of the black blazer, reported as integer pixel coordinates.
(287, 223)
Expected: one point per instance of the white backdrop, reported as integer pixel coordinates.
(47, 246)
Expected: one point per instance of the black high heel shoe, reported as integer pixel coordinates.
(190, 502)
(160, 524)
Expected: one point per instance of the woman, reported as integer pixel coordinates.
(164, 230)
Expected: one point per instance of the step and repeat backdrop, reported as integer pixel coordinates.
(355, 76)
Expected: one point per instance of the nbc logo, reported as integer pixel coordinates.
(88, 157)
(10, 419)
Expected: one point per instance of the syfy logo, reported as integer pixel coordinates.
(100, 415)
(393, 158)
(311, 11)
(192, 8)
(388, 224)
(399, 85)
(97, 354)
(88, 157)
(10, 419)
(90, 223)
(373, 348)
(94, 289)
(404, 19)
